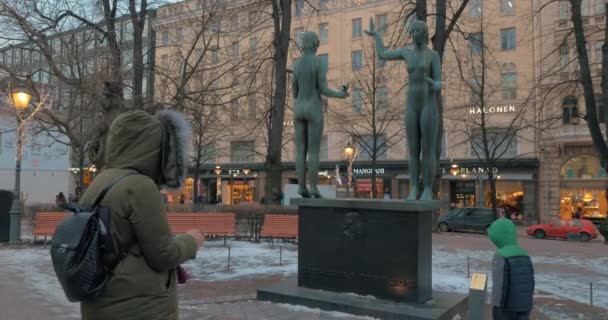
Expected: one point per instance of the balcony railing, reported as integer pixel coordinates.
(574, 131)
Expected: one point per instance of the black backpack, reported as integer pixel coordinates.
(78, 248)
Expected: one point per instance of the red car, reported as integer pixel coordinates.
(561, 228)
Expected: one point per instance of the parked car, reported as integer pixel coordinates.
(466, 219)
(561, 228)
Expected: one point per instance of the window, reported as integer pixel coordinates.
(599, 7)
(215, 55)
(509, 86)
(234, 22)
(476, 42)
(382, 98)
(564, 55)
(564, 10)
(601, 108)
(128, 32)
(508, 38)
(357, 59)
(475, 8)
(381, 23)
(322, 5)
(357, 28)
(507, 6)
(598, 51)
(585, 8)
(323, 32)
(325, 60)
(299, 7)
(253, 44)
(475, 88)
(164, 61)
(251, 107)
(501, 142)
(323, 151)
(251, 18)
(570, 110)
(235, 49)
(366, 147)
(179, 35)
(357, 101)
(165, 38)
(216, 24)
(242, 151)
(235, 110)
(299, 32)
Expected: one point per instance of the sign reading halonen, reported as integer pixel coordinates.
(494, 109)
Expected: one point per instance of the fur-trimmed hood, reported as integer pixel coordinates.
(156, 146)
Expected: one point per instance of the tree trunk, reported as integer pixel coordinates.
(587, 82)
(421, 10)
(281, 13)
(374, 186)
(138, 22)
(81, 158)
(492, 182)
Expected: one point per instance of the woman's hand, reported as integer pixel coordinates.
(372, 30)
(198, 236)
(435, 85)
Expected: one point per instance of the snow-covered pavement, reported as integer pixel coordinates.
(564, 275)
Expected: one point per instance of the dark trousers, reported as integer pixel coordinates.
(502, 314)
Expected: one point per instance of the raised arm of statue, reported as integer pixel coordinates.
(383, 54)
(325, 90)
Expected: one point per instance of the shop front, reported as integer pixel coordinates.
(362, 182)
(582, 193)
(466, 185)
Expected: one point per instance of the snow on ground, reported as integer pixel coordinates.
(561, 276)
(317, 311)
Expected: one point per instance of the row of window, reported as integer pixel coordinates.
(586, 5)
(505, 7)
(508, 40)
(571, 115)
(357, 29)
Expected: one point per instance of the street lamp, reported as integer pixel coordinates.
(349, 153)
(454, 169)
(21, 96)
(218, 182)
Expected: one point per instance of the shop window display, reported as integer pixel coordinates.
(583, 203)
(509, 197)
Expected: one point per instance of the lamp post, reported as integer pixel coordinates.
(21, 97)
(245, 174)
(349, 153)
(218, 182)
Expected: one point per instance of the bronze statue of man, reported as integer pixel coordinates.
(421, 115)
(309, 83)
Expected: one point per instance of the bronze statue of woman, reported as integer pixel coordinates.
(421, 115)
(309, 83)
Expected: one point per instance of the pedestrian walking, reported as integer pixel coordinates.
(143, 283)
(512, 274)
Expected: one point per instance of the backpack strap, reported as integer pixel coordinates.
(105, 190)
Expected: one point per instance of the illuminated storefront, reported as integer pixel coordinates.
(583, 188)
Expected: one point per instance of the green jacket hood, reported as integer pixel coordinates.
(504, 236)
(134, 142)
(154, 145)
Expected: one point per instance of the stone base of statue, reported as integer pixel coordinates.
(366, 257)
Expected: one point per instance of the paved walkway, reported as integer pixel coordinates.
(29, 289)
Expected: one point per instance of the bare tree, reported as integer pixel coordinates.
(376, 120)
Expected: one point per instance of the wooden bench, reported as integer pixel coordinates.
(280, 226)
(211, 224)
(45, 223)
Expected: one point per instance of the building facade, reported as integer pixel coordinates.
(494, 35)
(570, 173)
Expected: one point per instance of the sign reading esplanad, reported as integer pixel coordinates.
(496, 109)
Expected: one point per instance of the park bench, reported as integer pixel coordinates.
(280, 226)
(45, 223)
(211, 224)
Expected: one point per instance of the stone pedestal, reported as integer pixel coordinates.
(379, 248)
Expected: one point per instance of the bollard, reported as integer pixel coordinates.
(468, 268)
(280, 255)
(591, 293)
(477, 296)
(228, 265)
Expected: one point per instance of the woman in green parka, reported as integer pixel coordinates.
(143, 283)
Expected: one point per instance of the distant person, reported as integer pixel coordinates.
(512, 274)
(60, 200)
(182, 199)
(578, 213)
(149, 152)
